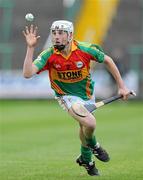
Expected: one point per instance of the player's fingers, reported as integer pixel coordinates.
(23, 32)
(35, 30)
(31, 28)
(38, 37)
(125, 96)
(26, 30)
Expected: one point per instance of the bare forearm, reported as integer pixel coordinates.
(114, 71)
(27, 66)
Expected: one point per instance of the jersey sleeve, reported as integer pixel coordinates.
(41, 61)
(94, 50)
(97, 52)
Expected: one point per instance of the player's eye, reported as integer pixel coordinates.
(61, 32)
(53, 32)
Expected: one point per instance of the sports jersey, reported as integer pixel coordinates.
(70, 75)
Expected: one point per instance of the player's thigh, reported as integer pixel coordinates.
(66, 103)
(88, 121)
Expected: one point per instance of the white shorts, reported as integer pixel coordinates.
(66, 101)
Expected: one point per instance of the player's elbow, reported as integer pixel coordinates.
(108, 60)
(27, 75)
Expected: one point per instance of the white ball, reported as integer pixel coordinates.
(29, 17)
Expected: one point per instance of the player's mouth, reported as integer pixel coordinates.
(57, 43)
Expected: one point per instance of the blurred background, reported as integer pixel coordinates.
(116, 25)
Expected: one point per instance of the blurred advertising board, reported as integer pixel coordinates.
(14, 86)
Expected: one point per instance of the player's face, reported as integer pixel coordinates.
(59, 37)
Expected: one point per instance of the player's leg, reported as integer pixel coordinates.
(86, 152)
(86, 134)
(87, 129)
(88, 124)
(81, 135)
(85, 157)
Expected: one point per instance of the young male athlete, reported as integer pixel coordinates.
(68, 63)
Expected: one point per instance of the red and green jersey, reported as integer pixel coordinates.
(71, 75)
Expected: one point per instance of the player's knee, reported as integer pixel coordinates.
(91, 124)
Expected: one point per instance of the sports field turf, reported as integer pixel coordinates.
(38, 141)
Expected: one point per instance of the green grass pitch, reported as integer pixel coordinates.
(39, 141)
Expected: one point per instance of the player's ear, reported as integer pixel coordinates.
(71, 34)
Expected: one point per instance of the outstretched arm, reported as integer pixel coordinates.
(31, 37)
(122, 89)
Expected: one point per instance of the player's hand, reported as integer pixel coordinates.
(124, 92)
(31, 36)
